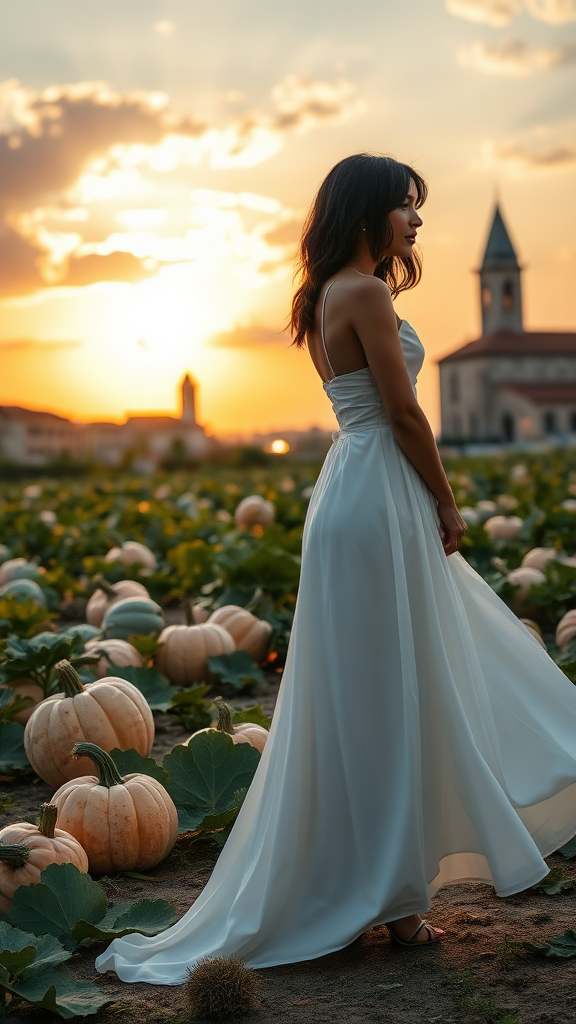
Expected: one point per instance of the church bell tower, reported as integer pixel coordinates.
(188, 415)
(500, 287)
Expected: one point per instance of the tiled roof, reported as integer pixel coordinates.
(553, 393)
(511, 343)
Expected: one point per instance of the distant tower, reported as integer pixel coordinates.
(188, 415)
(500, 290)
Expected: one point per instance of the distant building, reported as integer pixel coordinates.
(509, 385)
(35, 438)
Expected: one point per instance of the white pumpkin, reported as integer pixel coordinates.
(183, 658)
(534, 628)
(566, 628)
(537, 558)
(254, 510)
(113, 652)
(132, 552)
(503, 527)
(249, 633)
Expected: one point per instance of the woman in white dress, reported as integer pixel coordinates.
(421, 734)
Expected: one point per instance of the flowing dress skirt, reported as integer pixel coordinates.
(421, 736)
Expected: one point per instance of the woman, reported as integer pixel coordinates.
(421, 735)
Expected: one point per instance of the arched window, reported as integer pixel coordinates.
(473, 423)
(456, 426)
(573, 422)
(507, 426)
(550, 422)
(507, 294)
(454, 386)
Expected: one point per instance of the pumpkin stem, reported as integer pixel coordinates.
(68, 678)
(102, 584)
(48, 822)
(188, 605)
(15, 855)
(224, 716)
(108, 774)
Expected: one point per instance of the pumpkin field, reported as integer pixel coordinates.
(144, 624)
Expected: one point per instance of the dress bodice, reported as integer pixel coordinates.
(355, 397)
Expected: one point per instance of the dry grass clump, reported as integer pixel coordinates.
(221, 987)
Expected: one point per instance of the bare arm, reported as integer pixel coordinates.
(374, 320)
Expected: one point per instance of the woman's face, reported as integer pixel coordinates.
(404, 221)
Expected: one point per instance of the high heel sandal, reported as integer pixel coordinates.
(434, 935)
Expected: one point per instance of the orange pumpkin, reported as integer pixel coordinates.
(125, 823)
(25, 850)
(115, 652)
(184, 656)
(244, 732)
(108, 594)
(247, 631)
(111, 712)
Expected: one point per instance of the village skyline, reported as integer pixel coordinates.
(155, 182)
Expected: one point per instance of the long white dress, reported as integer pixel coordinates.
(421, 735)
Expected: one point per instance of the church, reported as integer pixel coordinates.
(510, 386)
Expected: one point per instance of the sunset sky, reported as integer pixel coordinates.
(157, 157)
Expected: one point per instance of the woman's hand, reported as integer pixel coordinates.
(452, 527)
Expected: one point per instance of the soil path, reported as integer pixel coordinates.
(471, 977)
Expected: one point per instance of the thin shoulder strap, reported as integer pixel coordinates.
(322, 328)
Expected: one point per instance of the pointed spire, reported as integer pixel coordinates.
(499, 253)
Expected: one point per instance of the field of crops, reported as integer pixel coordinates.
(160, 610)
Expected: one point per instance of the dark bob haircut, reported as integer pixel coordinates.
(361, 189)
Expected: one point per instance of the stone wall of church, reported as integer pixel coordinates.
(470, 394)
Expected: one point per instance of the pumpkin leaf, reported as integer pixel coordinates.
(237, 669)
(22, 617)
(13, 760)
(151, 683)
(554, 882)
(146, 916)
(19, 949)
(147, 645)
(253, 714)
(569, 849)
(191, 707)
(83, 629)
(63, 896)
(11, 703)
(36, 657)
(560, 947)
(31, 969)
(205, 775)
(129, 761)
(61, 993)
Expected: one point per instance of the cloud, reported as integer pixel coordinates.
(65, 148)
(501, 12)
(555, 12)
(488, 12)
(544, 149)
(514, 57)
(250, 337)
(25, 344)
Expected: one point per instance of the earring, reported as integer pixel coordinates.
(363, 229)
